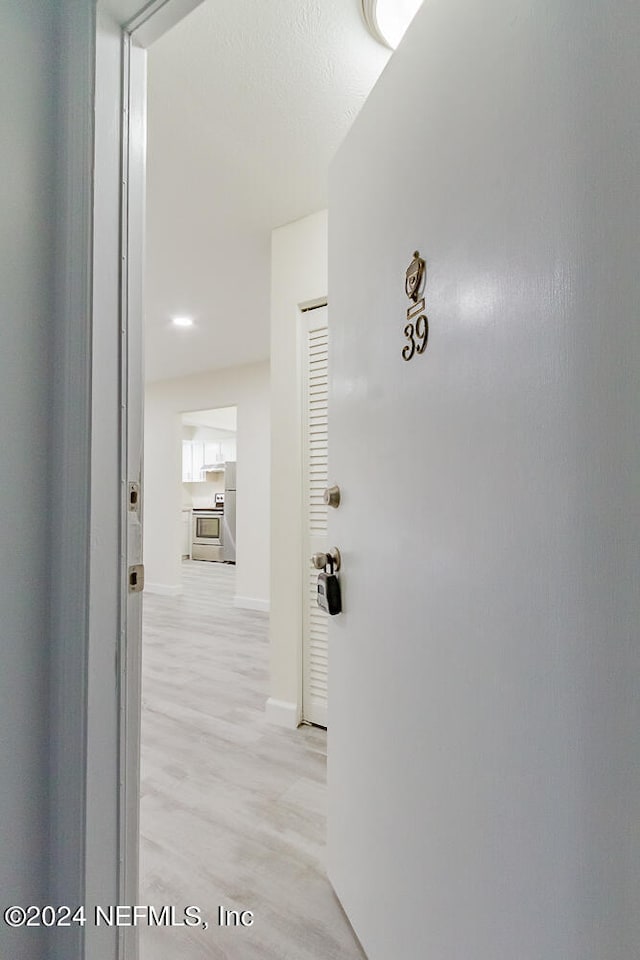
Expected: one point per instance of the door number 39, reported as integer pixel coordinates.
(417, 328)
(417, 334)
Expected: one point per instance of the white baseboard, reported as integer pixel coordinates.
(251, 603)
(283, 713)
(164, 589)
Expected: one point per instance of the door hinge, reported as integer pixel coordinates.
(136, 578)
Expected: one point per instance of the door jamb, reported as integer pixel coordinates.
(123, 686)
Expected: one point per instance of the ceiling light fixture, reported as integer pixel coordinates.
(388, 20)
(182, 322)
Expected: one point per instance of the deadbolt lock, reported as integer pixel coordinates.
(332, 496)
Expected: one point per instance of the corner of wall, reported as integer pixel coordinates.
(282, 713)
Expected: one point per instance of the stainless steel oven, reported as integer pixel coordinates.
(207, 540)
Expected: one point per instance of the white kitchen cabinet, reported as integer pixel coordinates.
(197, 453)
(192, 460)
(197, 460)
(213, 452)
(187, 461)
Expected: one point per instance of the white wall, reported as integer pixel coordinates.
(202, 493)
(27, 103)
(46, 168)
(299, 277)
(246, 387)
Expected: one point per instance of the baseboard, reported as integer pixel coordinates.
(251, 603)
(163, 589)
(283, 713)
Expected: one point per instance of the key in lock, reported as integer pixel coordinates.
(329, 596)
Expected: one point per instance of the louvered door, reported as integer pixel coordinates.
(315, 453)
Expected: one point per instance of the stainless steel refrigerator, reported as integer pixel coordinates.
(229, 523)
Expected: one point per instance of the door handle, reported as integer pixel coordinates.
(322, 560)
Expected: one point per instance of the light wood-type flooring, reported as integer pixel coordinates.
(232, 808)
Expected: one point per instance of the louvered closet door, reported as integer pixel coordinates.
(315, 454)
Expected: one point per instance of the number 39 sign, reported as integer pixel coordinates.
(417, 328)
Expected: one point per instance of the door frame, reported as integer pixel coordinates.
(94, 717)
(139, 31)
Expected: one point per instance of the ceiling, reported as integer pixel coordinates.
(221, 418)
(248, 102)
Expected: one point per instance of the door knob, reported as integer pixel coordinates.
(323, 560)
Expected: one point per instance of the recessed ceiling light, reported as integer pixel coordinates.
(182, 321)
(388, 20)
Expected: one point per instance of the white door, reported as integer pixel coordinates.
(315, 372)
(483, 757)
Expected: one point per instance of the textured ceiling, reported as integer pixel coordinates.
(248, 102)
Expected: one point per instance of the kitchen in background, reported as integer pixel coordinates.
(209, 485)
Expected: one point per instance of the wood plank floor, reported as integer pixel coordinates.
(232, 808)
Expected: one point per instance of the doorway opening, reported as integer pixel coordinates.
(232, 805)
(209, 491)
